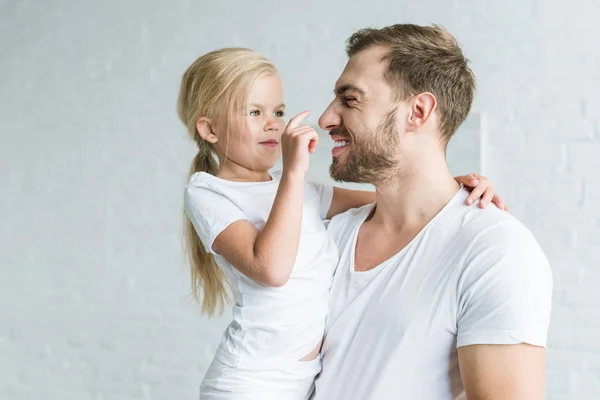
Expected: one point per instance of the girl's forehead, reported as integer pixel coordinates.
(267, 91)
(267, 82)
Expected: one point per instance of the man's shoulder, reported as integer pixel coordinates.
(351, 216)
(343, 223)
(498, 244)
(493, 227)
(474, 225)
(483, 238)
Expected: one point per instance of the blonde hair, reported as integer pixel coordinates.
(424, 59)
(216, 86)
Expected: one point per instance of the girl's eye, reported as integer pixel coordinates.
(254, 113)
(279, 114)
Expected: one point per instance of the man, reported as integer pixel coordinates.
(431, 299)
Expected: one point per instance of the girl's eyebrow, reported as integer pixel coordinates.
(261, 106)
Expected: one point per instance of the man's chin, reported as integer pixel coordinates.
(340, 173)
(336, 171)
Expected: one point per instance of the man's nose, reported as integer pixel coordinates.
(330, 118)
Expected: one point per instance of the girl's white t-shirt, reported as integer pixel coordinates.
(272, 326)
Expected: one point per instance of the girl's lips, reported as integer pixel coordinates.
(270, 144)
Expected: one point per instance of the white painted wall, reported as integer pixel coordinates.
(93, 287)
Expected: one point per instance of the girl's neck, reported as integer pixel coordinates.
(237, 173)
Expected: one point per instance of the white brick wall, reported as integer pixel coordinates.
(92, 159)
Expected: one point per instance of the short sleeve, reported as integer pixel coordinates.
(210, 212)
(505, 289)
(325, 197)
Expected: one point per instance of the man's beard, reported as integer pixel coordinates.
(369, 157)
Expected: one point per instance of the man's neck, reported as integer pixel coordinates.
(415, 198)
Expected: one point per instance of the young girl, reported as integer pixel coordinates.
(257, 233)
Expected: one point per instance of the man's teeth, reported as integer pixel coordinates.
(340, 143)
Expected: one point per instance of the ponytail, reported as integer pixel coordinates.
(207, 277)
(204, 161)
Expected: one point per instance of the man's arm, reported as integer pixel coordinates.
(507, 372)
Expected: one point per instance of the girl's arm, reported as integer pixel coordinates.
(268, 256)
(480, 186)
(346, 199)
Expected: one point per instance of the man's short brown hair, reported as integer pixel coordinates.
(424, 59)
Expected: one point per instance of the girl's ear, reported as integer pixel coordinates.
(205, 130)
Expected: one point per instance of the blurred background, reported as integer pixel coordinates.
(94, 289)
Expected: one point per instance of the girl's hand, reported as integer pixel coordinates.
(297, 141)
(480, 187)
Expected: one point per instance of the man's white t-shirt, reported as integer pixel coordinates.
(272, 326)
(471, 276)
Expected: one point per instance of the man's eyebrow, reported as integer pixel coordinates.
(349, 87)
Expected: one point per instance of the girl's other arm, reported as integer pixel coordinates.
(480, 187)
(346, 199)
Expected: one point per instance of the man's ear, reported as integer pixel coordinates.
(422, 107)
(205, 130)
